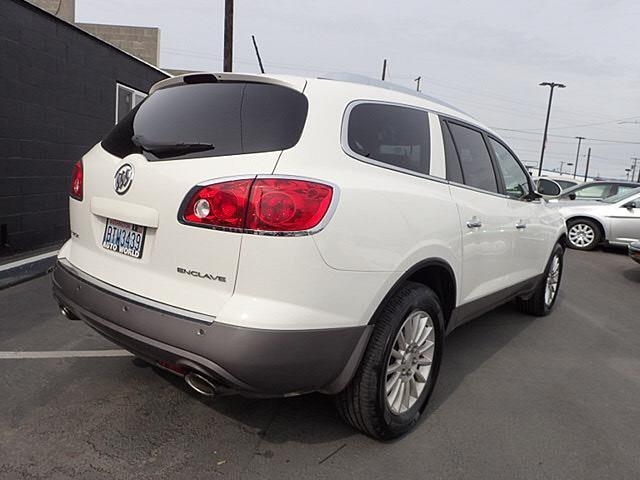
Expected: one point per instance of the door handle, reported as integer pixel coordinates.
(520, 225)
(474, 223)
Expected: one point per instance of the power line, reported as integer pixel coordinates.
(565, 136)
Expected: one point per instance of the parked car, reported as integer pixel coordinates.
(614, 220)
(274, 235)
(563, 182)
(634, 251)
(597, 190)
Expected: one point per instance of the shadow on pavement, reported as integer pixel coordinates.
(632, 274)
(470, 345)
(313, 419)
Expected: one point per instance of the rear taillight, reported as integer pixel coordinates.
(77, 186)
(259, 205)
(219, 205)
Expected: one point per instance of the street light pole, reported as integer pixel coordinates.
(586, 172)
(552, 85)
(634, 167)
(575, 170)
(228, 35)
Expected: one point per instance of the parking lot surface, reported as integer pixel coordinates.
(518, 397)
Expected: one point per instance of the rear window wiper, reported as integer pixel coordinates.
(168, 147)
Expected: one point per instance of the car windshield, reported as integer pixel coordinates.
(621, 196)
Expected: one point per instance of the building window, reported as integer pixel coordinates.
(126, 99)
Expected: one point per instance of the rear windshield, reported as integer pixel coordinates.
(210, 120)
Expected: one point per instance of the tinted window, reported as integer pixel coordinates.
(516, 181)
(390, 134)
(599, 190)
(233, 118)
(454, 172)
(477, 168)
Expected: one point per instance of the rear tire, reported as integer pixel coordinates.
(544, 297)
(404, 364)
(583, 234)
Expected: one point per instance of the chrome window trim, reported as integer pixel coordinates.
(133, 298)
(335, 198)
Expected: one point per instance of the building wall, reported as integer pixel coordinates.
(65, 9)
(57, 99)
(143, 42)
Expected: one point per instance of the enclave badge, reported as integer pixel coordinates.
(123, 179)
(195, 273)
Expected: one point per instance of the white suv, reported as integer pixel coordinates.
(274, 235)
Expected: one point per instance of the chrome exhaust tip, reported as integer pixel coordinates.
(68, 313)
(201, 384)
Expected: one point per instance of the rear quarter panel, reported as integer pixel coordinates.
(385, 221)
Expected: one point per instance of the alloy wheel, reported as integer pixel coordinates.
(409, 362)
(553, 280)
(581, 235)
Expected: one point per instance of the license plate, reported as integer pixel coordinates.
(124, 238)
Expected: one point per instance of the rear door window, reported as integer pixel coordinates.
(390, 134)
(477, 167)
(211, 120)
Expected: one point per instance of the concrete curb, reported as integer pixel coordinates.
(25, 269)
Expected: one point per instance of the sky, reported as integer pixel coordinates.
(487, 58)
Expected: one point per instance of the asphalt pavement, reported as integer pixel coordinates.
(517, 398)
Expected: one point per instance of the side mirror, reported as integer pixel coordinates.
(572, 196)
(631, 205)
(548, 188)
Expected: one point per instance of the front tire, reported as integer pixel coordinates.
(398, 371)
(583, 234)
(544, 297)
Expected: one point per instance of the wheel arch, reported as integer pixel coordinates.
(434, 273)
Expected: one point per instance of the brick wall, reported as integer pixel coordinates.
(65, 9)
(57, 99)
(143, 42)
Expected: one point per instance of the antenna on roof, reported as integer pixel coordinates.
(417, 80)
(255, 46)
(384, 69)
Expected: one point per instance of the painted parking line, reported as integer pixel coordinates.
(64, 354)
(25, 261)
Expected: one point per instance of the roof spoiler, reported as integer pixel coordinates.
(205, 77)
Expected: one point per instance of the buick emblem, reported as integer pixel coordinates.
(123, 179)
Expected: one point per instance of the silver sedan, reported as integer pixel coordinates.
(614, 220)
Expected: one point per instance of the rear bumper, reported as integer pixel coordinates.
(250, 361)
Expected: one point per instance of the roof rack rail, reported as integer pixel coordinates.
(364, 80)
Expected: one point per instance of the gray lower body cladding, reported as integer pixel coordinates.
(250, 361)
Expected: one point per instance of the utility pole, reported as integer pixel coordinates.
(384, 69)
(575, 170)
(417, 80)
(634, 167)
(586, 172)
(552, 85)
(228, 35)
(255, 46)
